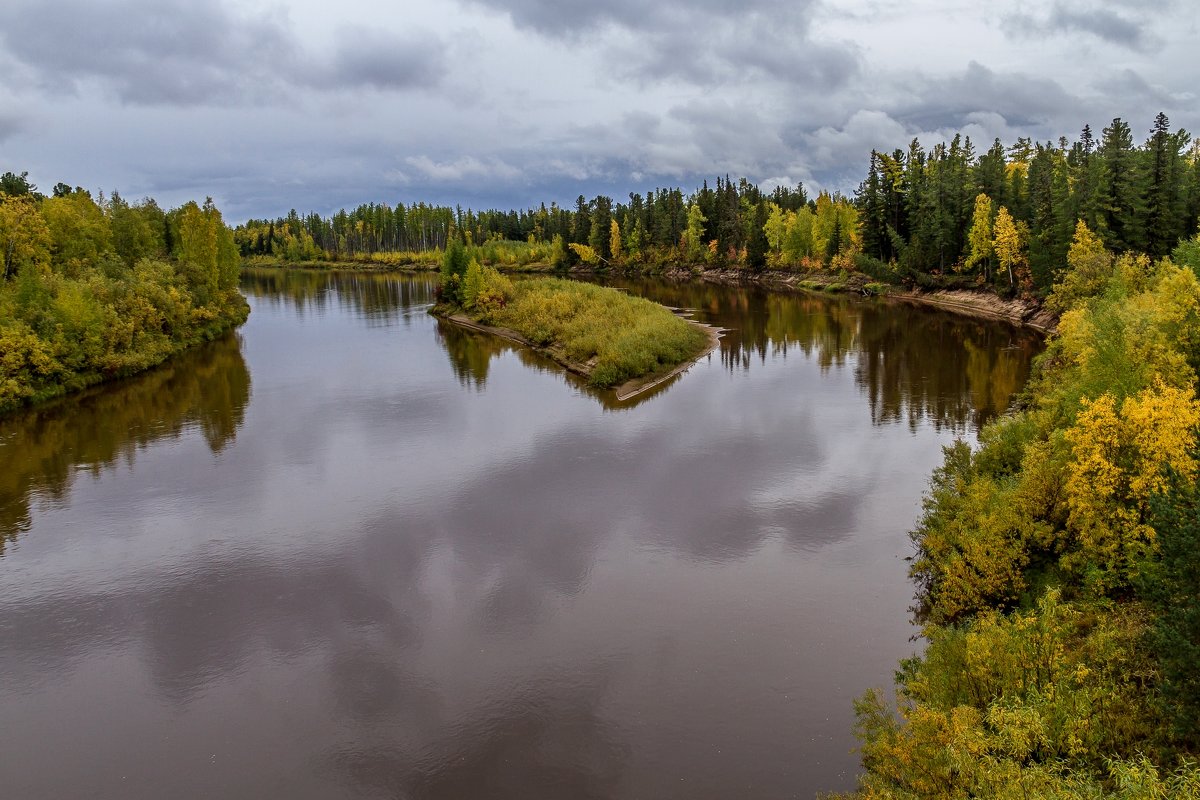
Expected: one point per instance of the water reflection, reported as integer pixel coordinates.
(471, 353)
(207, 388)
(916, 363)
(425, 569)
(544, 738)
(379, 299)
(913, 365)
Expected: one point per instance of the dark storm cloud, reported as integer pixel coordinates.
(1097, 20)
(935, 103)
(704, 43)
(572, 18)
(365, 57)
(174, 52)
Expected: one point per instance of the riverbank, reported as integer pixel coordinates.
(967, 302)
(83, 300)
(978, 303)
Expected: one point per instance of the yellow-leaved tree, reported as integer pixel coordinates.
(24, 237)
(1008, 240)
(1089, 267)
(1119, 457)
(979, 240)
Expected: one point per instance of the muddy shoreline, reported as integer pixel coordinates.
(966, 302)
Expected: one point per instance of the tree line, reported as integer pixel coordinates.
(949, 210)
(96, 288)
(950, 215)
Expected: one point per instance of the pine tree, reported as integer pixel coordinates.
(757, 246)
(1171, 586)
(1165, 202)
(1120, 194)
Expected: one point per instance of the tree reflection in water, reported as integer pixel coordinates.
(207, 388)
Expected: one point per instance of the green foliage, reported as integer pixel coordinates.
(87, 295)
(454, 272)
(1187, 254)
(1047, 558)
(1171, 585)
(620, 336)
(485, 291)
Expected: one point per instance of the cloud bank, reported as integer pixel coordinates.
(269, 106)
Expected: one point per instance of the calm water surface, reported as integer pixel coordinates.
(353, 552)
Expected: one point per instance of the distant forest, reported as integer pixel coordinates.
(1005, 216)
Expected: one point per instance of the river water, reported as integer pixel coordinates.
(351, 551)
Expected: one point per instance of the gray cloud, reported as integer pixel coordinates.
(1098, 20)
(10, 125)
(573, 18)
(748, 49)
(365, 57)
(941, 102)
(176, 52)
(515, 102)
(706, 42)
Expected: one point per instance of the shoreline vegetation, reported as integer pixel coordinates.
(94, 290)
(614, 340)
(950, 218)
(976, 302)
(1056, 566)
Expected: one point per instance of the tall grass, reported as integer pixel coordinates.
(624, 337)
(507, 255)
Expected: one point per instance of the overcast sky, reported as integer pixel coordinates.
(315, 105)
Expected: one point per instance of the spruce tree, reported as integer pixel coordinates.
(1171, 586)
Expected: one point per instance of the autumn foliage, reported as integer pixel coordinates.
(95, 290)
(1055, 584)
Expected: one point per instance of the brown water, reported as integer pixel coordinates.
(353, 552)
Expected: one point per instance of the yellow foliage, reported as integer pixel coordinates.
(586, 254)
(1089, 270)
(1117, 465)
(24, 237)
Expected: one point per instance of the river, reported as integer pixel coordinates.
(352, 551)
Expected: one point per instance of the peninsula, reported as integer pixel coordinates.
(613, 339)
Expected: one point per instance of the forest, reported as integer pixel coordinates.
(952, 215)
(99, 288)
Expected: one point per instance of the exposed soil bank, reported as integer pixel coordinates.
(975, 303)
(628, 389)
